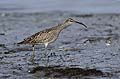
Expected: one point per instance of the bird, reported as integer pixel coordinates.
(49, 35)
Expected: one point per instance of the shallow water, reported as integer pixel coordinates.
(95, 47)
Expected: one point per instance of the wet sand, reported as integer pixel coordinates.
(96, 47)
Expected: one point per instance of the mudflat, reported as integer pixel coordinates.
(95, 49)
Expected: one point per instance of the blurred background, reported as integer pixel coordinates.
(82, 6)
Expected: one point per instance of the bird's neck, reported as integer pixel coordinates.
(63, 26)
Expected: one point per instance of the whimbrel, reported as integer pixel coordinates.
(48, 36)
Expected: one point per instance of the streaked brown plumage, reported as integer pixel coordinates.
(48, 35)
(45, 36)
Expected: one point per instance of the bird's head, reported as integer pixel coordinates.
(70, 21)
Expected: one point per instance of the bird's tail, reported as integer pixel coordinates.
(22, 42)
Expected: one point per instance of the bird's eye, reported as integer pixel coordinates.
(71, 20)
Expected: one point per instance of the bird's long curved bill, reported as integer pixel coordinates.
(81, 24)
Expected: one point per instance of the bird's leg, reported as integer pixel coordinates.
(33, 55)
(46, 59)
(45, 55)
(46, 44)
(33, 48)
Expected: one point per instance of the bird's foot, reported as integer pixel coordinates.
(32, 59)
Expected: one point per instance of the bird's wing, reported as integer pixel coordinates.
(45, 36)
(39, 37)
